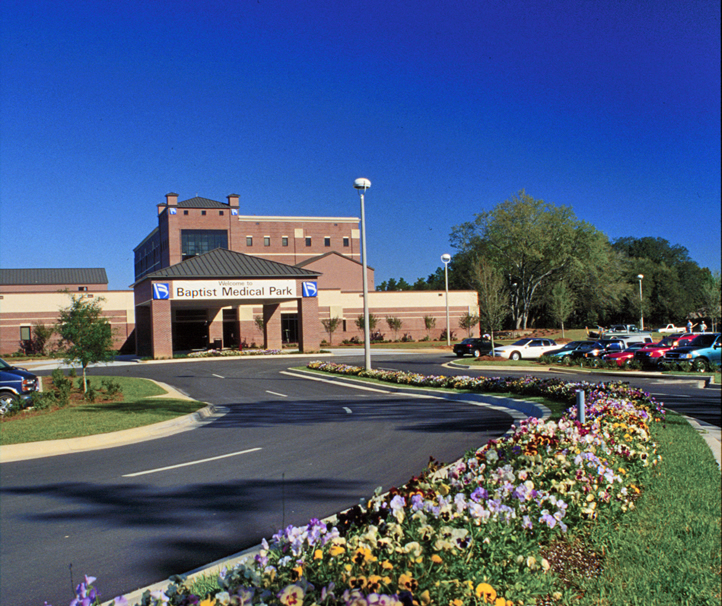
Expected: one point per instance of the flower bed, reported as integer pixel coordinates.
(229, 353)
(470, 533)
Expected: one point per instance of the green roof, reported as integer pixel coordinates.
(224, 263)
(25, 277)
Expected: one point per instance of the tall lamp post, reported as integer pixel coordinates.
(445, 258)
(640, 277)
(362, 185)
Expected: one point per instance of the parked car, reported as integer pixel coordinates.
(603, 346)
(703, 352)
(17, 385)
(624, 357)
(623, 328)
(473, 347)
(525, 348)
(652, 355)
(670, 328)
(617, 330)
(634, 338)
(565, 352)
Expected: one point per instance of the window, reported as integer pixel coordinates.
(198, 241)
(203, 213)
(266, 240)
(308, 241)
(220, 213)
(249, 240)
(185, 212)
(346, 243)
(83, 288)
(25, 333)
(284, 241)
(327, 242)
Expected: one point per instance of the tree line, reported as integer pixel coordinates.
(537, 264)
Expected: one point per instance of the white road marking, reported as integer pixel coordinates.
(347, 409)
(219, 376)
(273, 393)
(225, 456)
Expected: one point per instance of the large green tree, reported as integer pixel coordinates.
(673, 284)
(529, 241)
(86, 335)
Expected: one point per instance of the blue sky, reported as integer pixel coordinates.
(611, 107)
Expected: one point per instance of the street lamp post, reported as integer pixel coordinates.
(640, 277)
(445, 258)
(362, 185)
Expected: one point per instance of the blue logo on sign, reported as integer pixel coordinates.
(310, 289)
(234, 213)
(172, 211)
(161, 291)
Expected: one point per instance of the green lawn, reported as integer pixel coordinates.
(138, 408)
(668, 550)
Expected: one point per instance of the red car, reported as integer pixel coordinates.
(650, 356)
(622, 358)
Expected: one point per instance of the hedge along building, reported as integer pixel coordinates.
(305, 249)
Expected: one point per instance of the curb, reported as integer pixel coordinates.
(50, 448)
(703, 382)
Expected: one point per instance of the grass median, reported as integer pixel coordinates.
(139, 406)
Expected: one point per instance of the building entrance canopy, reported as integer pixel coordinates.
(222, 278)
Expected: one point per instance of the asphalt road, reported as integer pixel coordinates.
(287, 450)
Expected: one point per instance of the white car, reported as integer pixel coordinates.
(671, 328)
(525, 348)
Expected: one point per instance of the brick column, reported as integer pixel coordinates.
(309, 325)
(272, 328)
(161, 329)
(215, 326)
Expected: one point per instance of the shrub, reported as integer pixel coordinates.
(377, 337)
(112, 387)
(443, 336)
(42, 400)
(91, 393)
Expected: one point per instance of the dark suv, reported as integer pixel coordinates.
(473, 347)
(16, 386)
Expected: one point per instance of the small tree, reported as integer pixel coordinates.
(467, 322)
(429, 323)
(561, 303)
(330, 325)
(373, 321)
(260, 323)
(493, 297)
(41, 338)
(395, 325)
(86, 336)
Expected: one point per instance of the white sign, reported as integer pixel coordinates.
(205, 290)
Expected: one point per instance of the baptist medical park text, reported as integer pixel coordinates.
(228, 291)
(232, 289)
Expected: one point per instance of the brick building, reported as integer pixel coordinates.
(30, 297)
(181, 256)
(275, 280)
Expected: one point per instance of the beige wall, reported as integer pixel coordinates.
(409, 306)
(27, 309)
